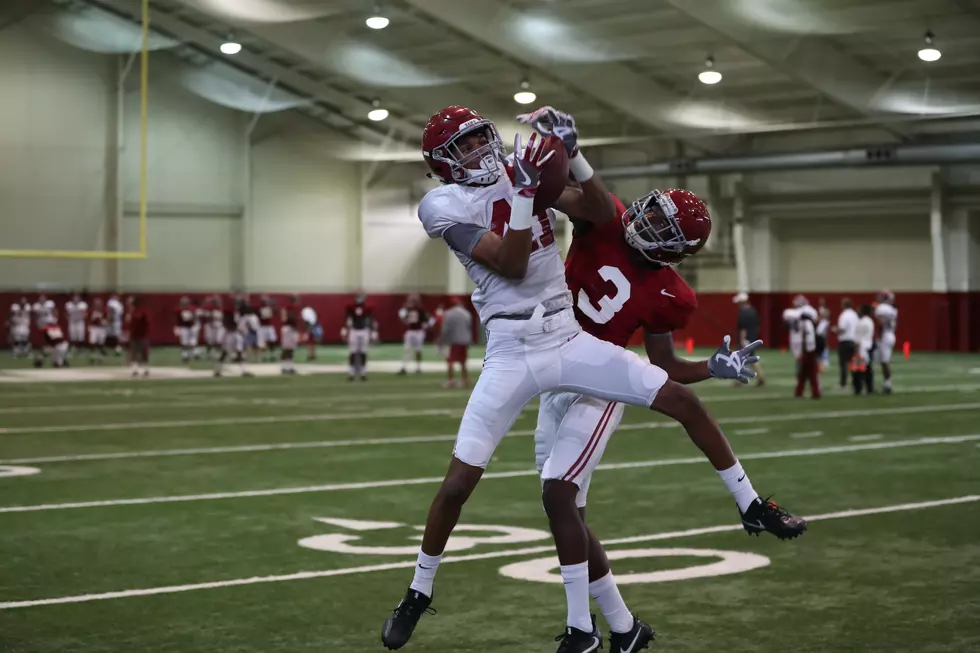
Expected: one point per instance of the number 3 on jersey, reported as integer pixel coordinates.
(607, 306)
(501, 217)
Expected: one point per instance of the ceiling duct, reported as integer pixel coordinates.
(875, 155)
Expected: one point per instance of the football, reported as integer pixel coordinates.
(554, 175)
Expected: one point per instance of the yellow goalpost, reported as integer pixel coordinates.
(141, 254)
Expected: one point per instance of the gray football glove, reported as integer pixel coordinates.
(548, 121)
(728, 364)
(528, 162)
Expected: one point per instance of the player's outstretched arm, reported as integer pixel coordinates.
(509, 255)
(723, 364)
(590, 201)
(660, 351)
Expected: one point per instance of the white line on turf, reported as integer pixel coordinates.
(750, 419)
(456, 412)
(750, 431)
(363, 485)
(806, 434)
(866, 438)
(232, 421)
(509, 553)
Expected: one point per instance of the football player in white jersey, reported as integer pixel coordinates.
(44, 311)
(886, 315)
(20, 328)
(76, 309)
(484, 211)
(114, 323)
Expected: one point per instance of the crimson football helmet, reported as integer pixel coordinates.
(667, 226)
(441, 140)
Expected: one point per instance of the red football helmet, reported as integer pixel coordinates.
(667, 226)
(441, 147)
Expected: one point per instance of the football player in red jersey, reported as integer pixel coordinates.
(290, 334)
(359, 330)
(184, 319)
(416, 320)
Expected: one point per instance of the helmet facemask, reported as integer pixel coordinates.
(489, 155)
(651, 227)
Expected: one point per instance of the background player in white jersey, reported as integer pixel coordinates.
(886, 315)
(864, 338)
(43, 311)
(534, 343)
(96, 331)
(114, 323)
(416, 320)
(76, 310)
(267, 338)
(20, 328)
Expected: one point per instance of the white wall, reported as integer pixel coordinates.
(306, 208)
(54, 133)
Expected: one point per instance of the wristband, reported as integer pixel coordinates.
(580, 168)
(521, 210)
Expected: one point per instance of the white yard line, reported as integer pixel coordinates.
(363, 485)
(249, 448)
(750, 431)
(509, 553)
(806, 434)
(866, 438)
(232, 421)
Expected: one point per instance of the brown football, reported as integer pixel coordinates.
(554, 175)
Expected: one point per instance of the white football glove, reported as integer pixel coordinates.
(548, 121)
(728, 364)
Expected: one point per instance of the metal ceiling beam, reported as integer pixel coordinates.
(612, 84)
(811, 60)
(341, 105)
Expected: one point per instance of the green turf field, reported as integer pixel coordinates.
(166, 516)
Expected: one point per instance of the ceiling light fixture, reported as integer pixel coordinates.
(929, 53)
(525, 96)
(377, 20)
(377, 114)
(231, 47)
(709, 75)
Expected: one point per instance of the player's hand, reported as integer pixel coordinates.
(343, 334)
(548, 121)
(728, 364)
(374, 336)
(528, 162)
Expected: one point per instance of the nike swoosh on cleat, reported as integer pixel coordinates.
(666, 294)
(629, 649)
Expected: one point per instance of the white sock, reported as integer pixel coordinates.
(606, 594)
(576, 580)
(425, 573)
(135, 366)
(738, 483)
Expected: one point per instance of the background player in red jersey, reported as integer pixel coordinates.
(184, 320)
(621, 277)
(359, 330)
(139, 338)
(416, 320)
(96, 331)
(55, 344)
(267, 339)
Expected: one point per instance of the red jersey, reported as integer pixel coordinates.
(359, 316)
(53, 335)
(415, 319)
(290, 317)
(96, 318)
(139, 324)
(617, 291)
(186, 317)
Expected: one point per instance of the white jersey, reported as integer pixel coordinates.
(20, 317)
(487, 208)
(864, 334)
(76, 311)
(115, 310)
(887, 316)
(43, 312)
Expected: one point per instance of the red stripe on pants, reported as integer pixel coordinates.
(590, 447)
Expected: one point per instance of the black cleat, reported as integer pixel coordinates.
(399, 626)
(574, 640)
(402, 372)
(638, 637)
(765, 515)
